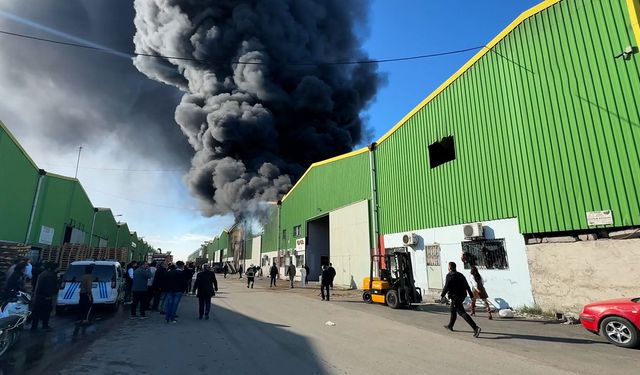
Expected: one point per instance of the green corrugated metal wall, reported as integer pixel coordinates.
(270, 231)
(546, 128)
(19, 178)
(324, 188)
(61, 202)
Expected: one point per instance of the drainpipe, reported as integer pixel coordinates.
(42, 173)
(93, 223)
(278, 237)
(375, 224)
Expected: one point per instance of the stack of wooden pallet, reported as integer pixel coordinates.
(50, 254)
(71, 253)
(9, 253)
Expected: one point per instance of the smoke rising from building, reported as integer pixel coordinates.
(255, 116)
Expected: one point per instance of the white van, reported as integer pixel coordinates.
(108, 284)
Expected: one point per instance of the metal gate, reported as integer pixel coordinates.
(434, 267)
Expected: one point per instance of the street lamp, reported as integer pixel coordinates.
(93, 223)
(118, 224)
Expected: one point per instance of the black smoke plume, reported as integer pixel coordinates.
(256, 109)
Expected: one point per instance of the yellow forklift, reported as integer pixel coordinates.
(395, 287)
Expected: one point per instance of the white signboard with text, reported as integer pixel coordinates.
(300, 244)
(46, 235)
(599, 218)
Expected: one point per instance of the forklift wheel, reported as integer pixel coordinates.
(392, 299)
(366, 296)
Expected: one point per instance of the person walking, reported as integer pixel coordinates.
(129, 281)
(44, 292)
(15, 283)
(479, 292)
(86, 295)
(240, 271)
(332, 274)
(156, 289)
(225, 269)
(273, 273)
(176, 283)
(189, 271)
(140, 290)
(303, 276)
(251, 274)
(151, 294)
(291, 272)
(205, 288)
(325, 281)
(457, 288)
(307, 269)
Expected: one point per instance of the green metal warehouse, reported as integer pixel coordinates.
(532, 142)
(43, 209)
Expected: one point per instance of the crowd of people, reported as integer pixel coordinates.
(159, 288)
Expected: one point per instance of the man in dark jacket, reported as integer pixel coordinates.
(457, 287)
(332, 274)
(291, 272)
(205, 287)
(325, 282)
(159, 294)
(15, 283)
(176, 284)
(273, 273)
(44, 293)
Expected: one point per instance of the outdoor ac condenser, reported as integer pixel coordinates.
(410, 239)
(473, 230)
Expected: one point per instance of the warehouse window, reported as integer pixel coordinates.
(442, 152)
(296, 231)
(485, 254)
(284, 234)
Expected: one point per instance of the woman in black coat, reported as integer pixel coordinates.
(205, 287)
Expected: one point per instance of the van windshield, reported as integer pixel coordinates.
(100, 273)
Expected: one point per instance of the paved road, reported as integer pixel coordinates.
(282, 331)
(44, 352)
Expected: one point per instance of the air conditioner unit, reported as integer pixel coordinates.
(410, 239)
(473, 230)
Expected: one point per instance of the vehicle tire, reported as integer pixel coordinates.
(6, 339)
(620, 332)
(115, 306)
(60, 310)
(366, 296)
(392, 299)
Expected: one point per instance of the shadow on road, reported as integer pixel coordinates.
(42, 351)
(565, 340)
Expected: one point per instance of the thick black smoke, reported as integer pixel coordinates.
(74, 96)
(255, 117)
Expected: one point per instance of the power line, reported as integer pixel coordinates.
(134, 54)
(121, 169)
(143, 202)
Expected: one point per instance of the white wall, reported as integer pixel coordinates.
(349, 244)
(256, 247)
(510, 287)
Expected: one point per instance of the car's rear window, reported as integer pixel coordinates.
(100, 273)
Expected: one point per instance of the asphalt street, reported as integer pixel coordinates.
(284, 331)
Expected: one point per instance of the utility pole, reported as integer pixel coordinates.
(78, 162)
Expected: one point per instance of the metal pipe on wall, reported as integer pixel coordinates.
(41, 174)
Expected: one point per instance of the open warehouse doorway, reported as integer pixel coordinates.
(317, 246)
(342, 238)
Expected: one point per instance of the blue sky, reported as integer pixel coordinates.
(417, 27)
(156, 204)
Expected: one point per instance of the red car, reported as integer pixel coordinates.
(618, 320)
